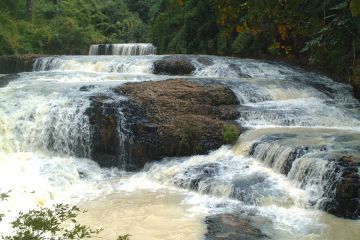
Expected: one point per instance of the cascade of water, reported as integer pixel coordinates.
(46, 123)
(123, 49)
(309, 174)
(40, 123)
(100, 64)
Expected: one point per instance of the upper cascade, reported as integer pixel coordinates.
(123, 49)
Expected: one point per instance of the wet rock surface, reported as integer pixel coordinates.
(205, 61)
(237, 69)
(6, 79)
(103, 116)
(16, 64)
(191, 178)
(159, 119)
(232, 227)
(344, 192)
(181, 118)
(175, 65)
(356, 89)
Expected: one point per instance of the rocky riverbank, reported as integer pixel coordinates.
(17, 63)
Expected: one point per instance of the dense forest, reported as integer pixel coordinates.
(324, 34)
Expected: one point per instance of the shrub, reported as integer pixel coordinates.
(230, 134)
(50, 224)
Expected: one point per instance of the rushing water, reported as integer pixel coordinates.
(45, 144)
(123, 49)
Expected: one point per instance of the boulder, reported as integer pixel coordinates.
(231, 227)
(174, 65)
(181, 118)
(205, 61)
(238, 70)
(159, 119)
(342, 193)
(192, 177)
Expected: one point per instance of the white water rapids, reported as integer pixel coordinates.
(123, 49)
(45, 143)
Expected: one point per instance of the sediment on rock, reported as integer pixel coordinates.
(160, 119)
(184, 118)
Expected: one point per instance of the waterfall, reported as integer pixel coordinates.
(123, 49)
(58, 121)
(97, 64)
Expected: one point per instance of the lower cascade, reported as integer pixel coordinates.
(139, 141)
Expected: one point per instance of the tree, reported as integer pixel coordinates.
(29, 9)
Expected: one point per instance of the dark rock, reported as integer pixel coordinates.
(17, 64)
(104, 125)
(243, 188)
(298, 152)
(231, 227)
(188, 118)
(342, 192)
(322, 87)
(5, 80)
(160, 119)
(86, 88)
(174, 65)
(205, 61)
(237, 69)
(192, 177)
(356, 89)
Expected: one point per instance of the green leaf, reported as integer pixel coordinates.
(355, 7)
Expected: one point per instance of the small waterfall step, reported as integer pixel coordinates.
(327, 169)
(125, 49)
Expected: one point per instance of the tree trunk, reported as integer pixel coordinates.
(29, 9)
(57, 7)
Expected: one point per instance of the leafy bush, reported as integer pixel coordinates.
(58, 223)
(230, 134)
(3, 197)
(49, 224)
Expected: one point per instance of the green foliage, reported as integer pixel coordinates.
(230, 134)
(325, 33)
(50, 224)
(188, 137)
(124, 237)
(355, 7)
(186, 133)
(58, 223)
(3, 197)
(67, 28)
(242, 43)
